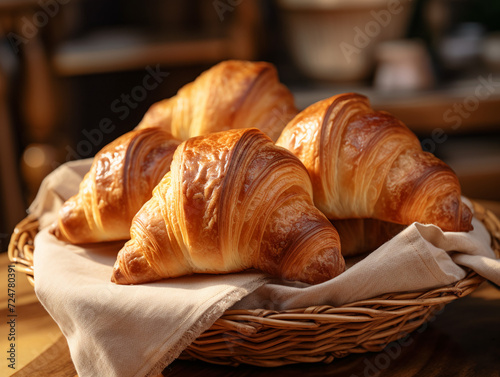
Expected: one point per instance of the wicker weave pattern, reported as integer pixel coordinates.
(321, 333)
(314, 334)
(21, 246)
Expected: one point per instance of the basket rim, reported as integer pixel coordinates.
(21, 253)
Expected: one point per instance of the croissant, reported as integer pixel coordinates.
(121, 179)
(232, 94)
(367, 164)
(232, 201)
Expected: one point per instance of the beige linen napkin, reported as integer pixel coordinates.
(138, 330)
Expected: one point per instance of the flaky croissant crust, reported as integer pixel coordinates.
(232, 201)
(232, 94)
(121, 179)
(367, 164)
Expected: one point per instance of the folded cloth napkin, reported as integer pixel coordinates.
(138, 330)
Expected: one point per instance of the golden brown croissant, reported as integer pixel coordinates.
(232, 94)
(231, 201)
(367, 164)
(121, 179)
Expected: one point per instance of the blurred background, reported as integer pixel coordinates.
(73, 73)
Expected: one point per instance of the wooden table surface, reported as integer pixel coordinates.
(462, 340)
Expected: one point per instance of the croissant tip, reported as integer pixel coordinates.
(55, 230)
(466, 220)
(467, 225)
(117, 276)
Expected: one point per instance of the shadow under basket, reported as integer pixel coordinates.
(308, 335)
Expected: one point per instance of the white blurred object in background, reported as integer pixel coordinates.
(336, 39)
(403, 65)
(490, 51)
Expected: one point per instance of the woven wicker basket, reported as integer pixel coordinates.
(314, 334)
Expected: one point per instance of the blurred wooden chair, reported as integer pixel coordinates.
(12, 205)
(46, 50)
(33, 99)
